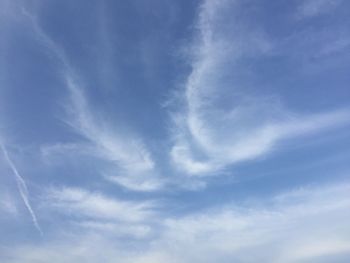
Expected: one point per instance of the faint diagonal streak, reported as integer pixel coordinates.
(22, 188)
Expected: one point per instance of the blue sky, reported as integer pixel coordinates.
(174, 131)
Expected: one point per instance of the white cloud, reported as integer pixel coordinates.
(138, 231)
(80, 203)
(129, 152)
(146, 182)
(91, 212)
(293, 227)
(224, 123)
(304, 225)
(130, 156)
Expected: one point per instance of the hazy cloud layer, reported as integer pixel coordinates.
(292, 227)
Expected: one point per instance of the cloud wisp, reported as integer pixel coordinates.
(22, 188)
(291, 227)
(94, 211)
(133, 162)
(97, 205)
(225, 122)
(136, 167)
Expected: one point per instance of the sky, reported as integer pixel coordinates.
(174, 131)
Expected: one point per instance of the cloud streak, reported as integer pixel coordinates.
(95, 212)
(22, 188)
(223, 121)
(95, 205)
(290, 227)
(128, 153)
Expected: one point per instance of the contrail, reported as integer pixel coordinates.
(22, 188)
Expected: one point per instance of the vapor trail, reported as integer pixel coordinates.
(22, 188)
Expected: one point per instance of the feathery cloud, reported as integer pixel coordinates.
(291, 227)
(130, 156)
(223, 123)
(81, 203)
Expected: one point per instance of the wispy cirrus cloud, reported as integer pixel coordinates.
(225, 122)
(96, 205)
(136, 167)
(133, 162)
(96, 212)
(291, 227)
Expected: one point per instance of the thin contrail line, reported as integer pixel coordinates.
(22, 188)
